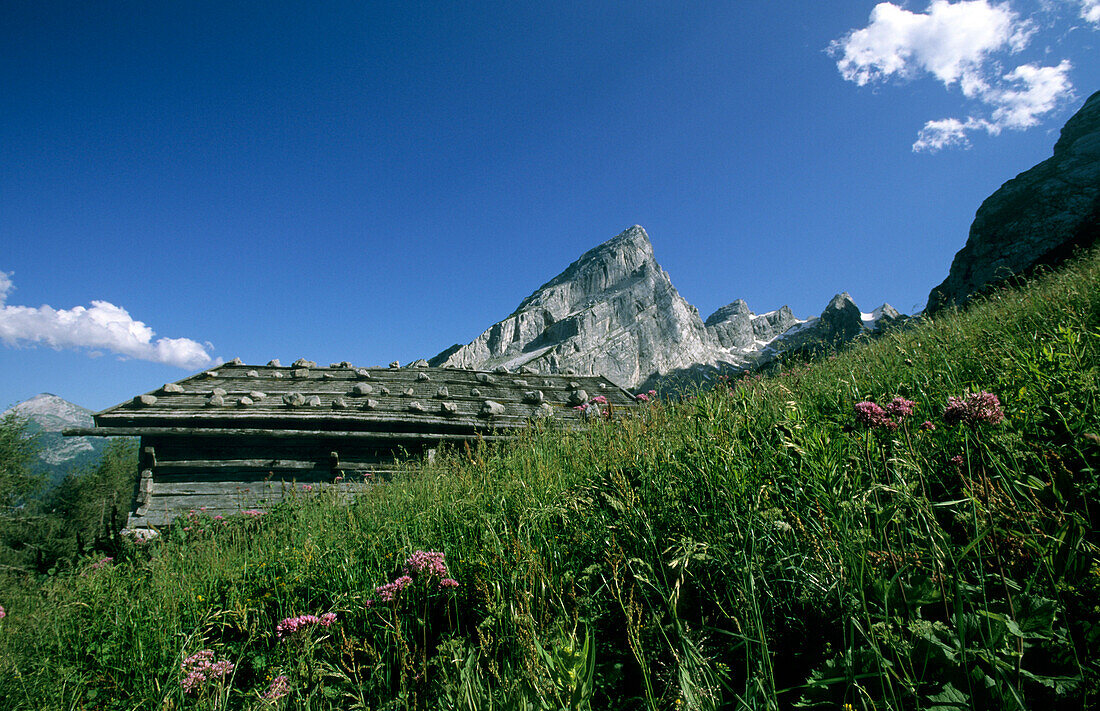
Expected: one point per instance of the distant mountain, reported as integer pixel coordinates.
(1036, 219)
(614, 312)
(47, 415)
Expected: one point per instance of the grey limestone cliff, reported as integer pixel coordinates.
(1037, 218)
(736, 328)
(614, 312)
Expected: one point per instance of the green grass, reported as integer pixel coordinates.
(750, 546)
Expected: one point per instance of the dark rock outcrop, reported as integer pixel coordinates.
(1036, 219)
(840, 323)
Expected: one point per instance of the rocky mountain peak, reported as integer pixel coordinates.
(737, 308)
(613, 311)
(626, 254)
(52, 413)
(737, 329)
(46, 416)
(842, 302)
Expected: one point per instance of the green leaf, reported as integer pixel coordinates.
(949, 698)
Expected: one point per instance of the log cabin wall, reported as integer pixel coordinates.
(243, 437)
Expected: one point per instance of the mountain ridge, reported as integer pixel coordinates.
(614, 311)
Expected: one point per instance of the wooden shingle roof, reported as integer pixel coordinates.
(343, 401)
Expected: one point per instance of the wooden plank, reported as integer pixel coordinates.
(231, 490)
(176, 431)
(246, 479)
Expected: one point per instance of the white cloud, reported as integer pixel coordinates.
(945, 133)
(102, 326)
(1018, 100)
(1090, 11)
(951, 41)
(1028, 91)
(6, 286)
(960, 44)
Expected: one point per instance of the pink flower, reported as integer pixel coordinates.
(307, 487)
(279, 688)
(642, 397)
(2, 613)
(957, 461)
(389, 591)
(219, 517)
(900, 407)
(338, 479)
(295, 624)
(448, 583)
(927, 426)
(871, 415)
(653, 393)
(254, 513)
(201, 668)
(600, 400)
(973, 408)
(430, 562)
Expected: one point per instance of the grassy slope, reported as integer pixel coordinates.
(749, 547)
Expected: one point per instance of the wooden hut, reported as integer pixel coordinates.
(242, 437)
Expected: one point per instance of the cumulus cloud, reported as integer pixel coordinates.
(960, 44)
(100, 327)
(951, 41)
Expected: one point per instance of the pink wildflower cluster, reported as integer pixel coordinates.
(101, 563)
(430, 564)
(202, 668)
(645, 397)
(294, 624)
(872, 415)
(254, 513)
(389, 591)
(973, 408)
(279, 688)
(900, 408)
(2, 613)
(600, 400)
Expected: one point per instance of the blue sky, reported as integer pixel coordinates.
(185, 182)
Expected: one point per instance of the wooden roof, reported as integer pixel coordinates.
(346, 402)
